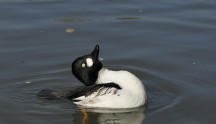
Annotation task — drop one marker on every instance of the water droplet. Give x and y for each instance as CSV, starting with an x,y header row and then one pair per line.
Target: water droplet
x,y
28,82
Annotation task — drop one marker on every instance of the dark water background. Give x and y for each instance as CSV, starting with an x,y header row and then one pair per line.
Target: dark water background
x,y
169,44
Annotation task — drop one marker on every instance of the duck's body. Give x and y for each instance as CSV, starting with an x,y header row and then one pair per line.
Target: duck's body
x,y
103,88
131,94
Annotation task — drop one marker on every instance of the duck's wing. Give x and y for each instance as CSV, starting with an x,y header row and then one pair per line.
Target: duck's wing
x,y
99,89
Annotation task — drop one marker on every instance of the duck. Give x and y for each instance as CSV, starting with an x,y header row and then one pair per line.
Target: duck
x,y
103,88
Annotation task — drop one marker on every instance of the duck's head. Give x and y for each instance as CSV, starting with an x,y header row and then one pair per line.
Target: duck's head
x,y
86,68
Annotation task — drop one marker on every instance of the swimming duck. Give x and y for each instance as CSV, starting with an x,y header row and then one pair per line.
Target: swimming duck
x,y
103,88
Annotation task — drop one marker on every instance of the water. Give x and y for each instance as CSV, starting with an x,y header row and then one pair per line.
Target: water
x,y
170,45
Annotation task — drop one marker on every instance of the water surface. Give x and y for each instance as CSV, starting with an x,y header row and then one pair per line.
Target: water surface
x,y
170,45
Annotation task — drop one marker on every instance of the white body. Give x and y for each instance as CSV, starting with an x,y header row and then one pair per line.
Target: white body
x,y
131,95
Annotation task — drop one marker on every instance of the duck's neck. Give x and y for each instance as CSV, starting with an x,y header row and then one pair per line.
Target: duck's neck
x,y
104,76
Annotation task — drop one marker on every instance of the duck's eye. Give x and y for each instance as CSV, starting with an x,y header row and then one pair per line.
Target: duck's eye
x,y
83,65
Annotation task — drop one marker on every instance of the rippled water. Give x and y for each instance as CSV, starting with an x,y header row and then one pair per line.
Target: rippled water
x,y
170,45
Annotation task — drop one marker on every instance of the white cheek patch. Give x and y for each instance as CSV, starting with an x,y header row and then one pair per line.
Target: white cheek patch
x,y
89,62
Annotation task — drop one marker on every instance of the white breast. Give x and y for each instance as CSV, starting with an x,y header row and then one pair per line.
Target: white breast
x,y
132,93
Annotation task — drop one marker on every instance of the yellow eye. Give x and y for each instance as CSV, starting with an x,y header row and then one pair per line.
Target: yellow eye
x,y
83,65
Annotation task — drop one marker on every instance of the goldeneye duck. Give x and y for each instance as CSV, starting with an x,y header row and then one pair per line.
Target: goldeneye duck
x,y
103,88
106,88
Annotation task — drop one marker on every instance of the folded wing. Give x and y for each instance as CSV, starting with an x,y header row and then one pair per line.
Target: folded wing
x,y
81,91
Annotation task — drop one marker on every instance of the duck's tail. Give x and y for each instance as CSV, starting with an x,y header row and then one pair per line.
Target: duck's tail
x,y
52,94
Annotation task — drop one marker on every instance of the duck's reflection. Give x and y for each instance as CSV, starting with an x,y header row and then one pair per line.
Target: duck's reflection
x,y
111,116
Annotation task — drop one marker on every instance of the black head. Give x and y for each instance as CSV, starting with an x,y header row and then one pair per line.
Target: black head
x,y
86,68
